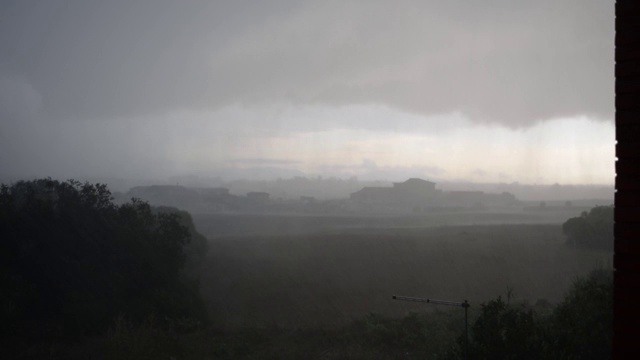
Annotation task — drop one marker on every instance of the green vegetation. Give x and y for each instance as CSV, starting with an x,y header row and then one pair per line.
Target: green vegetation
x,y
72,262
591,229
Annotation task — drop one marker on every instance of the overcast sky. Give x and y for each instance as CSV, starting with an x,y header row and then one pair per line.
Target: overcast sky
x,y
488,91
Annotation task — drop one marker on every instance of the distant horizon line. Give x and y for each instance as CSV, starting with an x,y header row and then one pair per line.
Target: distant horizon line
x,y
176,178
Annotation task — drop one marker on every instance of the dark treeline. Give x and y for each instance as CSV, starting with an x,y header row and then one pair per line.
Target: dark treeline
x,y
72,262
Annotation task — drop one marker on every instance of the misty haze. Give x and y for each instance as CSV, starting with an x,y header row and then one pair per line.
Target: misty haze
x,y
257,179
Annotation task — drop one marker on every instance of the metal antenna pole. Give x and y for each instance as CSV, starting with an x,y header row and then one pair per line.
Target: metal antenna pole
x,y
464,305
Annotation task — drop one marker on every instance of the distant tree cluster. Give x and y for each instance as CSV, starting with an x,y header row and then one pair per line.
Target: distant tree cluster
x,y
72,261
593,229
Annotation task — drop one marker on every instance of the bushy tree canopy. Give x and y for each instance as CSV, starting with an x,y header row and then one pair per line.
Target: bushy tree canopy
x,y
504,331
591,229
71,260
580,327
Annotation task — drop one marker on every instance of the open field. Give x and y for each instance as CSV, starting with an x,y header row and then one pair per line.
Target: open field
x,y
327,278
216,225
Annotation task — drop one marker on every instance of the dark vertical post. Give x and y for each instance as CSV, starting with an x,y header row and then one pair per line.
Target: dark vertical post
x,y
626,258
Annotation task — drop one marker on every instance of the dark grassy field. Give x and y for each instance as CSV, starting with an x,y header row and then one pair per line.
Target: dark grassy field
x,y
219,224
327,276
325,292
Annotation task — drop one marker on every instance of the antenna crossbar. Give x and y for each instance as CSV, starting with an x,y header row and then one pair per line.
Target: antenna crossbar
x,y
464,305
431,301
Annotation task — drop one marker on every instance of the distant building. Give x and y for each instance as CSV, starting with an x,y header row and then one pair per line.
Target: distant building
x,y
415,185
415,190
215,192
422,194
218,194
258,196
465,198
307,200
409,192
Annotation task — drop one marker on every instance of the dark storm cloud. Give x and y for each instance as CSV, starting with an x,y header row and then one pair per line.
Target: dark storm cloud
x,y
511,62
112,58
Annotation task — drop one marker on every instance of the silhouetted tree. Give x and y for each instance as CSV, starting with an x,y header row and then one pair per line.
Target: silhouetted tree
x,y
71,260
505,331
581,326
593,229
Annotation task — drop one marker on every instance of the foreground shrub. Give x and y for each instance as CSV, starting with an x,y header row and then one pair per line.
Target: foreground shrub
x,y
505,331
413,336
581,326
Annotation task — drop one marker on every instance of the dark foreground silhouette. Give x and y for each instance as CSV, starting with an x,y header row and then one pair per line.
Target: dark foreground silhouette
x,y
83,278
72,262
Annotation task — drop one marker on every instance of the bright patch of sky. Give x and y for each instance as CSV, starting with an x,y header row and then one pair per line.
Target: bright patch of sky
x,y
575,150
367,141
